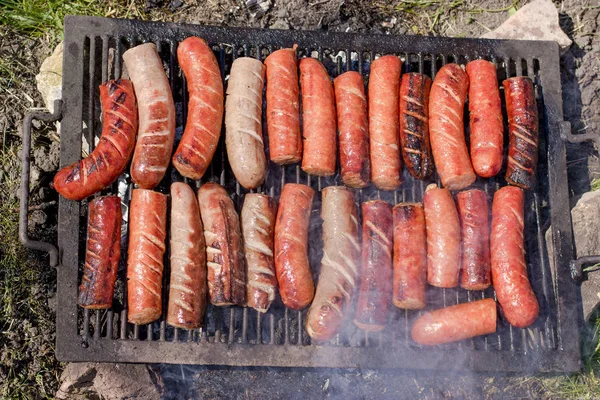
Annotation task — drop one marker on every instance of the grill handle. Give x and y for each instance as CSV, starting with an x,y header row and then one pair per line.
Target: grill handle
x,y
567,135
24,190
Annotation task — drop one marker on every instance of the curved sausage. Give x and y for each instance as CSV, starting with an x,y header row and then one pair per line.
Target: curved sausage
x,y
110,157
283,107
523,130
446,127
147,233
454,323
509,271
224,248
376,269
339,265
187,288
258,226
292,267
318,119
473,212
486,126
205,108
353,127
384,141
102,254
443,237
414,124
157,115
243,113
410,256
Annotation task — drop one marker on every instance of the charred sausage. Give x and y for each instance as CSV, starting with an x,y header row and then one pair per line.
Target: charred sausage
x,y
414,124
283,107
110,157
102,254
292,267
446,127
205,108
353,127
157,115
509,271
339,266
147,234
187,289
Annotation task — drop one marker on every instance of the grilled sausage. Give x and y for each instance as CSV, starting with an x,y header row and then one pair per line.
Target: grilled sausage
x,y
486,127
110,157
443,237
258,226
292,267
410,256
339,266
414,124
523,130
102,254
224,252
454,323
353,127
376,270
473,213
283,107
147,234
318,119
187,289
205,108
384,141
243,113
157,115
509,271
446,128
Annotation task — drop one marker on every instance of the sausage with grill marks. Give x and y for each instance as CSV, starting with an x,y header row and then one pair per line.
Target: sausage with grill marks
x,y
258,225
376,270
243,113
446,127
523,129
353,127
110,157
318,119
103,251
205,108
509,271
283,107
292,266
157,115
384,141
224,249
414,124
147,234
187,288
486,126
339,265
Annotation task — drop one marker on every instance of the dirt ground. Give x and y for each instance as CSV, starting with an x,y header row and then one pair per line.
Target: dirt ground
x,y
580,67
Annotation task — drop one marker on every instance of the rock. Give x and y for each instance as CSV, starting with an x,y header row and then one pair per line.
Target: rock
x,y
280,24
37,218
47,158
537,20
258,8
109,381
49,80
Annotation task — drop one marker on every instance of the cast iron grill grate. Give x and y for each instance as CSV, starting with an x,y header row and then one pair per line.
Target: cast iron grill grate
x,y
242,336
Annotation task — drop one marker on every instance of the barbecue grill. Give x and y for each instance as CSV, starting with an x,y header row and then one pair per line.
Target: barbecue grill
x,y
239,336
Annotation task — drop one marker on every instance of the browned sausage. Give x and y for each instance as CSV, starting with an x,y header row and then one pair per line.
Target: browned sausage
x,y
410,256
296,285
147,234
102,253
376,270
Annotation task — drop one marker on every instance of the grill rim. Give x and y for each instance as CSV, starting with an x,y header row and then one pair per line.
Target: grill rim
x,y
69,344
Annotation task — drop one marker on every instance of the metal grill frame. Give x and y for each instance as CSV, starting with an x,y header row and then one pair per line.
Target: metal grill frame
x,y
69,343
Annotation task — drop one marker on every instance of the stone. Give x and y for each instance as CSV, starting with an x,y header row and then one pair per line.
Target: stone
x,y
49,80
537,20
